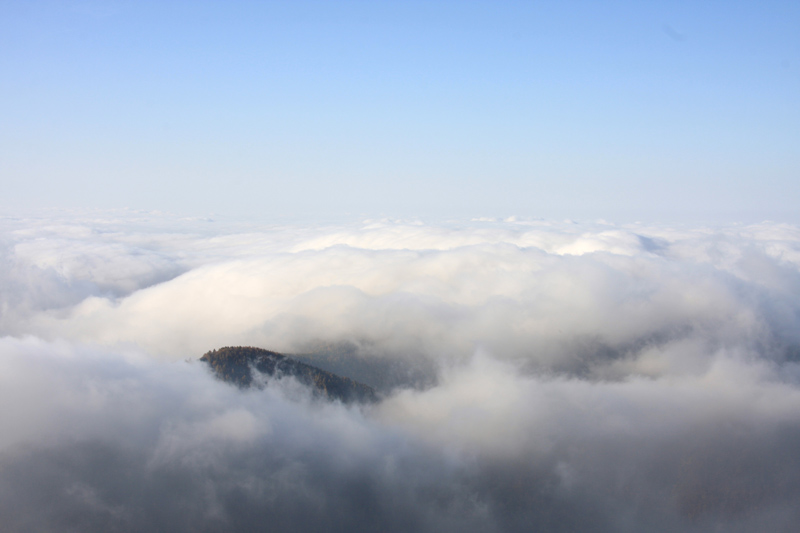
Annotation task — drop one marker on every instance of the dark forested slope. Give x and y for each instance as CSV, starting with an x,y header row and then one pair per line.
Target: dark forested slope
x,y
235,364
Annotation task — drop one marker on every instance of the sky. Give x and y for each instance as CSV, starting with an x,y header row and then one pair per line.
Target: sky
x,y
625,111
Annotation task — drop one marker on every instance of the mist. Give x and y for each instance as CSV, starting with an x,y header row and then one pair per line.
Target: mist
x,y
534,374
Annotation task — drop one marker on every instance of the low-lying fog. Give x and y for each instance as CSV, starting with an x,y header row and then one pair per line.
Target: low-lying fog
x,y
536,375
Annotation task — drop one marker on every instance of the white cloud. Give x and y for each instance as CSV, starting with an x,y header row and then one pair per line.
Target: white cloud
x,y
625,377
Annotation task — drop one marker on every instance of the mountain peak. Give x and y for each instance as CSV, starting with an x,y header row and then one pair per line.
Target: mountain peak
x,y
235,365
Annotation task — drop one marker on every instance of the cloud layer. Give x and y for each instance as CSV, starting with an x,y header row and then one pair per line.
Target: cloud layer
x,y
559,376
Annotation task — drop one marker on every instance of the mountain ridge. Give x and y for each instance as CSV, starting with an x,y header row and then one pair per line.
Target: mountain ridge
x,y
235,365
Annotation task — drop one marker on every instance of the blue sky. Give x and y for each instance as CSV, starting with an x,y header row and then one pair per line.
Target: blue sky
x,y
673,111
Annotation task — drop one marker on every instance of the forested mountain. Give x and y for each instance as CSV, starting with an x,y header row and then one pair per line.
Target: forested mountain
x,y
235,365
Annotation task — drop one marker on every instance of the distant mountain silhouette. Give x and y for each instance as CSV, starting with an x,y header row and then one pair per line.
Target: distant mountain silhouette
x,y
235,365
370,365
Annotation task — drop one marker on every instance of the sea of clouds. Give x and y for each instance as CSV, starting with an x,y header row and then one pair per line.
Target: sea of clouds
x,y
535,375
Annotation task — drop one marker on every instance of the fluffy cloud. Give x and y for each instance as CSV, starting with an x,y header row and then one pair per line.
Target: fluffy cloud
x,y
536,375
